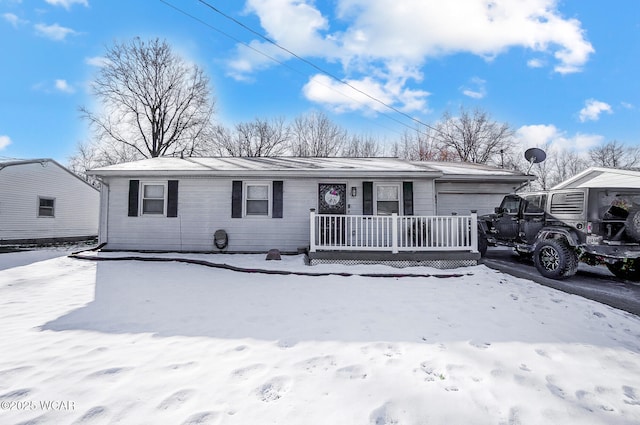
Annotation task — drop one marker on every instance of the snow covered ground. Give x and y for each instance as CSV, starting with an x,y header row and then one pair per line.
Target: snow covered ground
x,y
169,343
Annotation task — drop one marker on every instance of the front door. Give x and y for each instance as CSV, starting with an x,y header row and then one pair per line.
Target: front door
x,y
332,199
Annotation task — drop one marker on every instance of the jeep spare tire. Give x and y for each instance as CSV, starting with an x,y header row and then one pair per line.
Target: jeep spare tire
x,y
632,225
555,259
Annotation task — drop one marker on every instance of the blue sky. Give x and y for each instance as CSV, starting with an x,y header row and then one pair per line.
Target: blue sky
x,y
559,72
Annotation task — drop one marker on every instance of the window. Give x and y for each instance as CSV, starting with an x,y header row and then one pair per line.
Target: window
x,y
511,204
257,199
535,204
387,199
46,207
153,199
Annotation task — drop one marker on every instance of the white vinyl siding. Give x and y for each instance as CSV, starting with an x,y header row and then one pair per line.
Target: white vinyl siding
x,y
205,206
462,197
75,207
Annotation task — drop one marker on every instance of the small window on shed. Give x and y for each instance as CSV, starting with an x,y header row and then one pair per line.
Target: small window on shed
x,y
46,207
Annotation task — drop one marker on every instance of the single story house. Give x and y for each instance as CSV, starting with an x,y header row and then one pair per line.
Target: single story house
x,y
348,206
42,202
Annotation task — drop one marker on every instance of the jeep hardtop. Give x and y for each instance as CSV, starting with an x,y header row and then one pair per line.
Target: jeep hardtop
x,y
559,228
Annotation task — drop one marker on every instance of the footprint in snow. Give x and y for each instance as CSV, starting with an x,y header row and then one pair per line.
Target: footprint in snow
x,y
352,372
202,418
245,373
632,394
92,415
554,389
482,345
314,364
16,395
113,371
175,400
274,389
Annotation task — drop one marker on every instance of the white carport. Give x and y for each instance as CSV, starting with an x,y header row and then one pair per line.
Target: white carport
x,y
602,177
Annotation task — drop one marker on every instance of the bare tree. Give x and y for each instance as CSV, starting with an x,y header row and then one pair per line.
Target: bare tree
x,y
260,137
474,137
152,102
362,147
615,155
421,145
316,135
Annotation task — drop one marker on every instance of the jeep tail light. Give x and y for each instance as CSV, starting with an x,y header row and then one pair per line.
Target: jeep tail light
x,y
589,227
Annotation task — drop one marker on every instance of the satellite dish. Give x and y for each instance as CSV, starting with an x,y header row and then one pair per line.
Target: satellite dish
x,y
534,156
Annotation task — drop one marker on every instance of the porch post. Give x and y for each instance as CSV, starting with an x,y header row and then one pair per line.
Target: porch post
x,y
312,230
394,233
474,231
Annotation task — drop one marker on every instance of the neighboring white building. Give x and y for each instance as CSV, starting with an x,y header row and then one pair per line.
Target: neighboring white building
x,y
41,201
603,178
175,204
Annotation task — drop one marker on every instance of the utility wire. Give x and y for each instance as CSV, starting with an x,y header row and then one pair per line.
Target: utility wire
x,y
195,18
313,65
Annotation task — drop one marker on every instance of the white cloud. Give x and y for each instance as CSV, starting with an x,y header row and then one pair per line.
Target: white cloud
x,y
556,140
54,32
14,20
67,3
343,98
535,63
592,110
63,86
97,61
479,91
4,142
407,33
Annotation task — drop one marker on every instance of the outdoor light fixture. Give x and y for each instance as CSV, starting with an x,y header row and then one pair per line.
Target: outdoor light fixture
x,y
354,191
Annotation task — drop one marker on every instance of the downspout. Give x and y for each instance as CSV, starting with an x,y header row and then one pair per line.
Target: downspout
x,y
103,224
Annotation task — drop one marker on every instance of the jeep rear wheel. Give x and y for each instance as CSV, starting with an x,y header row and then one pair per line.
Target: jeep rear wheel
x,y
629,271
555,259
632,224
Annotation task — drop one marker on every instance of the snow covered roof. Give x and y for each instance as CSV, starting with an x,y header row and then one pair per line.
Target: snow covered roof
x,y
602,177
269,166
308,167
462,171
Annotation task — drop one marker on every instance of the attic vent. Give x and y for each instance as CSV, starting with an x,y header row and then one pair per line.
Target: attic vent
x,y
567,203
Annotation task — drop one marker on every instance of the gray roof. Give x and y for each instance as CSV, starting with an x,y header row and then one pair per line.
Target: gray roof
x,y
602,177
306,167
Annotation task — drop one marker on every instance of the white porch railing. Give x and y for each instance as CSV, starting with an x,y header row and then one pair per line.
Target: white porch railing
x,y
393,233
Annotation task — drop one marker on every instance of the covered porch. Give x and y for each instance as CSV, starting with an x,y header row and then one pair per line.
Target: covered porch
x,y
398,240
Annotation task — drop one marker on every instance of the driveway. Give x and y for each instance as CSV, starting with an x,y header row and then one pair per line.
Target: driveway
x,y
594,283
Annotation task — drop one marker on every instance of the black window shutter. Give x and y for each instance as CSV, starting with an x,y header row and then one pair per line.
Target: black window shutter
x,y
236,199
277,199
407,196
172,198
134,188
367,198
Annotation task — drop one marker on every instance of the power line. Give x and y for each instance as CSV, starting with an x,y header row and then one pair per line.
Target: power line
x,y
208,25
313,65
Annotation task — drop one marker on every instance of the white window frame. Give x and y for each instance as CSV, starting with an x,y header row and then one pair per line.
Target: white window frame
x,y
53,209
142,198
375,196
245,198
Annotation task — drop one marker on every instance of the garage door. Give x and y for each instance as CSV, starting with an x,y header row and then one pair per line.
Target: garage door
x,y
463,203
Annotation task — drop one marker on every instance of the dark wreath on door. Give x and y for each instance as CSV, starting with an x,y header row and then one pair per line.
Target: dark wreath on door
x,y
332,200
